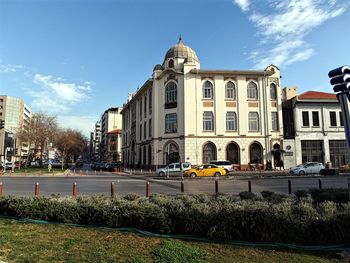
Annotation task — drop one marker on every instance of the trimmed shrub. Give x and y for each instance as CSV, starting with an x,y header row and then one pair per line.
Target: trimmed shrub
x,y
221,217
301,194
248,196
273,197
340,195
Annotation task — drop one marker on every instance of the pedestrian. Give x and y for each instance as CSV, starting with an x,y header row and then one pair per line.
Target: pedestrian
x,y
281,165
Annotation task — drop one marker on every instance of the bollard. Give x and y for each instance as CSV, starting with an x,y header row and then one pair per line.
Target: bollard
x,y
249,186
289,187
74,171
182,186
81,173
100,170
95,173
36,192
0,188
112,190
74,189
319,183
87,172
148,189
216,186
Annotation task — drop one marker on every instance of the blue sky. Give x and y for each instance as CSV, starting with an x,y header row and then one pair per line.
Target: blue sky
x,y
76,58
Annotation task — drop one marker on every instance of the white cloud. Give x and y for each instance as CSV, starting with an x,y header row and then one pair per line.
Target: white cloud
x,y
55,95
242,4
10,68
284,28
83,123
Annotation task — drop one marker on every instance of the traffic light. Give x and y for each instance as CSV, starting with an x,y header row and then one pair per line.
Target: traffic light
x,y
340,79
2,124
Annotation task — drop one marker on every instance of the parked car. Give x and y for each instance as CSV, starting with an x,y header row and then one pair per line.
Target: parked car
x,y
227,165
344,168
173,169
206,170
307,168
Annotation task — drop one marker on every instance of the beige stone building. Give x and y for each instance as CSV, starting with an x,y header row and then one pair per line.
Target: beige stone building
x,y
190,114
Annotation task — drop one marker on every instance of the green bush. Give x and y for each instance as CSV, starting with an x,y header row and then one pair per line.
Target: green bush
x,y
248,196
220,217
301,194
273,197
340,195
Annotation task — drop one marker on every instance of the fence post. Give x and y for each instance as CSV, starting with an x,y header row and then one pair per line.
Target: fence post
x,y
112,190
36,191
216,186
75,189
249,186
319,183
182,186
148,189
0,188
289,187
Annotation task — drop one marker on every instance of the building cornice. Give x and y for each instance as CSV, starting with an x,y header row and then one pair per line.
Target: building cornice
x,y
147,84
168,71
250,73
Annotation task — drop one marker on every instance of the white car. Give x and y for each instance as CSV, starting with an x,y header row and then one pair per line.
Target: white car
x,y
173,169
307,168
227,165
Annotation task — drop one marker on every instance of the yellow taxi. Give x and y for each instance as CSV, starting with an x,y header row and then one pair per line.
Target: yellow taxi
x,y
344,168
206,170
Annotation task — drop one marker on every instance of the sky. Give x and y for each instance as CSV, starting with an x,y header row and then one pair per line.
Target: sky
x,y
76,58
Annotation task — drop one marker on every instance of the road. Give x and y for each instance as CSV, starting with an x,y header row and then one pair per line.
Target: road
x,y
101,183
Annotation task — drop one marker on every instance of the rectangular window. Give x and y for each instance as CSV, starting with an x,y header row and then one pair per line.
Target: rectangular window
x,y
333,118
140,132
253,119
150,128
341,118
141,109
315,119
171,123
306,119
274,118
208,121
150,102
231,123
145,105
144,130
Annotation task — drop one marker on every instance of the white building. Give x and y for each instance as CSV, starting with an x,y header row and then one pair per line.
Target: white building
x,y
110,135
185,113
313,127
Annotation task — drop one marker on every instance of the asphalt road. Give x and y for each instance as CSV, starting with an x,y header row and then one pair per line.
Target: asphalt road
x,y
101,184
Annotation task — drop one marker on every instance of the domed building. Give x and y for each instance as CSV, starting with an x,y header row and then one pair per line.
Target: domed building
x,y
184,113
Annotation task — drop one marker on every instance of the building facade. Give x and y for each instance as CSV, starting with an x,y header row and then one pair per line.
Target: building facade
x,y
111,122
184,113
314,129
16,115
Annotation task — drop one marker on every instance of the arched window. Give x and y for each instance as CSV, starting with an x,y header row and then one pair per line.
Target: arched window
x,y
171,63
252,91
207,90
253,119
209,152
255,152
231,121
273,91
171,92
232,153
230,90
208,121
171,153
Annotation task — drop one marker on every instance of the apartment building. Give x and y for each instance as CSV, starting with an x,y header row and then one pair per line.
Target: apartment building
x,y
314,128
184,113
16,115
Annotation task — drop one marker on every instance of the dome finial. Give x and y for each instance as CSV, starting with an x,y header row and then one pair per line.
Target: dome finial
x,y
180,39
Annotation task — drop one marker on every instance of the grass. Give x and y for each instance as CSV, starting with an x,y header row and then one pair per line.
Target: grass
x,y
26,242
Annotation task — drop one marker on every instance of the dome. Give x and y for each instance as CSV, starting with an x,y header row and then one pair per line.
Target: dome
x,y
180,50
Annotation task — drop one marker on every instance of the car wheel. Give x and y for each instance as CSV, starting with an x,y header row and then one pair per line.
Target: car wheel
x,y
161,174
301,172
193,175
217,174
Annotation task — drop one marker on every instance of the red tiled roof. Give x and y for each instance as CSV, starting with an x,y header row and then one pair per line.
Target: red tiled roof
x,y
317,95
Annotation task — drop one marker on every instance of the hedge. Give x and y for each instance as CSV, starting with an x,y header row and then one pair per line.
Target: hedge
x,y
218,217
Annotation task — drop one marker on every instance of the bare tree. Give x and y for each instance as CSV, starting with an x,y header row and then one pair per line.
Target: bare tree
x,y
71,143
39,132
